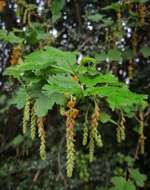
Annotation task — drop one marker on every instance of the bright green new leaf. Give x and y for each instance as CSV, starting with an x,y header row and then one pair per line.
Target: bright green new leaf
x,y
119,97
87,60
99,79
63,84
41,59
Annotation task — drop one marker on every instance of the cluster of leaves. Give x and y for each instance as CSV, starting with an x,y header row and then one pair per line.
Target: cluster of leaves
x,y
47,75
131,179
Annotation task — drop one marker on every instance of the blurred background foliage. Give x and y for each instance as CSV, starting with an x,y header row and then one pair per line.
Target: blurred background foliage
x,y
90,27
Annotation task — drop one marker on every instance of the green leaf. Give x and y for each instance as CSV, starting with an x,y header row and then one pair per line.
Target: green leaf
x,y
113,6
120,183
57,6
138,177
18,70
95,18
42,105
53,55
19,98
101,57
17,140
107,22
63,84
128,54
46,101
145,51
99,79
41,59
130,160
105,118
87,59
10,37
114,55
56,98
119,98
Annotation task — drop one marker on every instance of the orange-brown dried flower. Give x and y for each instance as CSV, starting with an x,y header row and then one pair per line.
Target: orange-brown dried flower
x,y
71,103
2,5
15,55
75,78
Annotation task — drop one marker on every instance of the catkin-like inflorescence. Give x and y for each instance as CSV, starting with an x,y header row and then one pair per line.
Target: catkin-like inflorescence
x,y
142,137
119,18
142,144
130,69
91,146
42,136
121,129
70,150
71,115
95,136
134,42
130,6
33,123
26,114
120,134
85,135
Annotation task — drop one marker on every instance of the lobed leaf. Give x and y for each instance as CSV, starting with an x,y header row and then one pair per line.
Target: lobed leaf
x,y
10,37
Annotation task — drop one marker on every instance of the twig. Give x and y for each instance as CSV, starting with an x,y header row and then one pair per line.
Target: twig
x,y
77,8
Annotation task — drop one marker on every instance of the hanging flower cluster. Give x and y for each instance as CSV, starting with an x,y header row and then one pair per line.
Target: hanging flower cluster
x,y
32,122
142,137
95,136
42,136
121,129
71,115
90,131
26,114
